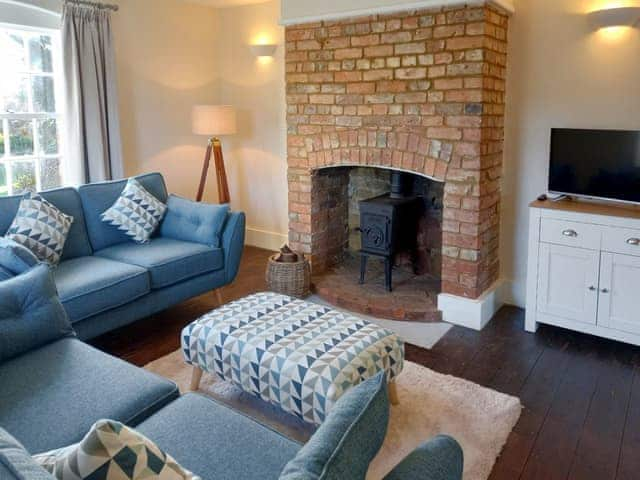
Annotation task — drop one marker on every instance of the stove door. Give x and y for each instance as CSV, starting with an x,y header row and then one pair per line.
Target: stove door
x,y
375,233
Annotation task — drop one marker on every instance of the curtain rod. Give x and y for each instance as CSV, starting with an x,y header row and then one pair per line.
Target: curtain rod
x,y
94,4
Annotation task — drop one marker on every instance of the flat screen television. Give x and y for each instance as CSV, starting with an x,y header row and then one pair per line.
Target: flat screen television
x,y
602,164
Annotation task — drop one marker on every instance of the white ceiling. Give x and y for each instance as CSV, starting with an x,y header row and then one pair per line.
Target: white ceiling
x,y
225,3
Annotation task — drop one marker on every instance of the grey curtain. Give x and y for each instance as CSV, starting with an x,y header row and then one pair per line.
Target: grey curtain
x,y
92,121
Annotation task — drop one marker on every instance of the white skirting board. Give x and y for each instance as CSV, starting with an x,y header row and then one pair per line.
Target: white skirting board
x,y
265,239
471,313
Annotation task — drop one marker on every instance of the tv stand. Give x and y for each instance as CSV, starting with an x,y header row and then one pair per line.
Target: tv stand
x,y
584,268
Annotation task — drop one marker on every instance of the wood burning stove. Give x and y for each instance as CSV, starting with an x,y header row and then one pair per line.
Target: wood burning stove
x,y
388,225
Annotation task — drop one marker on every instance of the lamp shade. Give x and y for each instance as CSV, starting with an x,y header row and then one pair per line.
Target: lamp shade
x,y
214,120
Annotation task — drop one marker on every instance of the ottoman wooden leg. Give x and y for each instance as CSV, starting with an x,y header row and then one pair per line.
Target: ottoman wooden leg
x,y
393,393
196,375
218,292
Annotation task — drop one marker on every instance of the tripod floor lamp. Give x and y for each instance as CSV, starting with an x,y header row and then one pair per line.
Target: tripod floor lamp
x,y
214,121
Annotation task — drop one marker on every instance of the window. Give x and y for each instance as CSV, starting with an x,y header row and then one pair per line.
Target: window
x,y
30,130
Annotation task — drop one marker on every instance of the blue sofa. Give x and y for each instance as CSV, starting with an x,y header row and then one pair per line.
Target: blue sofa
x,y
54,387
106,281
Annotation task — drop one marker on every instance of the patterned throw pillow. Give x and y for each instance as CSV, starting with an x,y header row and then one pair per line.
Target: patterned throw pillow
x,y
112,450
41,227
136,212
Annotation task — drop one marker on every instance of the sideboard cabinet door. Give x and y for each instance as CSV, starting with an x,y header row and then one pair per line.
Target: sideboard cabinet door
x,y
568,282
620,292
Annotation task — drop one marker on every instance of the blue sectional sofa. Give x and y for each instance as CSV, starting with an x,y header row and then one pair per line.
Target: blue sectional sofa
x,y
54,387
106,281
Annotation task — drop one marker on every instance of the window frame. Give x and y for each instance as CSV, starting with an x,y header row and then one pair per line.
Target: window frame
x,y
6,158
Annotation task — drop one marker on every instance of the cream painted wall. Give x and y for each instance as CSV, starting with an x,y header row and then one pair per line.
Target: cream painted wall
x,y
561,74
256,155
165,52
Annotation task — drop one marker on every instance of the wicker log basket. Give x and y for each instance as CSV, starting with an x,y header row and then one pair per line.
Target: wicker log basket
x,y
289,273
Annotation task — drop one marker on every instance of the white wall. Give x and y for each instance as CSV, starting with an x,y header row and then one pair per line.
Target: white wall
x,y
561,74
256,156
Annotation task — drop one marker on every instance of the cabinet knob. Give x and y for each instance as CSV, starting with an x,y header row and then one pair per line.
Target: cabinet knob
x,y
605,290
570,233
592,288
634,241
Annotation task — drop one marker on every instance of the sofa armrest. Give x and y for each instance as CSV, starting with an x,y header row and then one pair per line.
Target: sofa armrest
x,y
233,244
440,458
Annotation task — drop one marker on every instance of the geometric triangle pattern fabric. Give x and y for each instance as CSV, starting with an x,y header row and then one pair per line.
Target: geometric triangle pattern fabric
x,y
41,227
295,354
109,451
136,212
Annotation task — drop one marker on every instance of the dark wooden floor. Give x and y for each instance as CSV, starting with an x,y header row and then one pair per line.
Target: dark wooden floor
x,y
581,394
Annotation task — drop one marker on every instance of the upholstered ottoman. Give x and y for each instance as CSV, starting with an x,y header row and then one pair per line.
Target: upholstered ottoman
x,y
296,354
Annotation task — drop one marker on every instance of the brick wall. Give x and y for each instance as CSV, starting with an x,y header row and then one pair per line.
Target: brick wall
x,y
421,91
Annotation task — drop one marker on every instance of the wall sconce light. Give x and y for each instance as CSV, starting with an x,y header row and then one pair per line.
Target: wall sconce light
x,y
615,17
263,51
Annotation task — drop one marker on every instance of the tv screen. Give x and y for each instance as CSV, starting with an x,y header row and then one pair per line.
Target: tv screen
x,y
595,163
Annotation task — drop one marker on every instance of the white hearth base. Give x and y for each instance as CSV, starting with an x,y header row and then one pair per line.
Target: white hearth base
x,y
471,313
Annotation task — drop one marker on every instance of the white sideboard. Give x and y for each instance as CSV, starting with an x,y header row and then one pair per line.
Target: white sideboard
x,y
584,268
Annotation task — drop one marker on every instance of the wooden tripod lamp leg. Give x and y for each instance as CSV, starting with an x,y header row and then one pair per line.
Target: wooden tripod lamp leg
x,y
221,174
205,171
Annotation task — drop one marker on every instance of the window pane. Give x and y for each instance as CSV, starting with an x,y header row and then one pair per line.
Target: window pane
x,y
40,53
4,190
43,98
50,173
14,93
13,45
1,140
24,177
21,137
48,136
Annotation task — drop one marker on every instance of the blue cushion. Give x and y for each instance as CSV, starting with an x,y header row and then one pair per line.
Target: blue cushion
x,y
16,463
98,197
350,437
440,458
30,313
169,261
5,274
68,201
218,443
194,222
91,285
51,396
16,258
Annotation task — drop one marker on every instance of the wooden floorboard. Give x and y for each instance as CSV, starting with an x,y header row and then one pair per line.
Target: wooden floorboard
x,y
580,394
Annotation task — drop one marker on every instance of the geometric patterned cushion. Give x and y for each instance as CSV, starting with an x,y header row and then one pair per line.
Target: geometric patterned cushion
x,y
295,354
41,227
112,451
136,212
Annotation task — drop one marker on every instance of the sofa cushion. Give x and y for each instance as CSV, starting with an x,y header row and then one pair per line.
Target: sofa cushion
x,y
51,396
30,313
16,463
67,201
91,285
350,437
16,258
98,197
5,274
169,261
218,443
136,212
194,222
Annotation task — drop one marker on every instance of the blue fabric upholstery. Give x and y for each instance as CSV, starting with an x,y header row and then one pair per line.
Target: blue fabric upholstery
x,y
51,396
350,437
194,222
5,274
16,463
168,261
218,443
16,258
154,302
233,244
98,197
30,313
68,201
91,285
440,458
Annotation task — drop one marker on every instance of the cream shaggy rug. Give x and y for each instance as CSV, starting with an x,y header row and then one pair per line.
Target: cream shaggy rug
x,y
430,403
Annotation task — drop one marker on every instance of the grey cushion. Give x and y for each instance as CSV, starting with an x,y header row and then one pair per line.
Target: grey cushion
x,y
168,261
30,313
440,458
50,397
16,258
216,442
16,463
90,285
194,222
350,437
